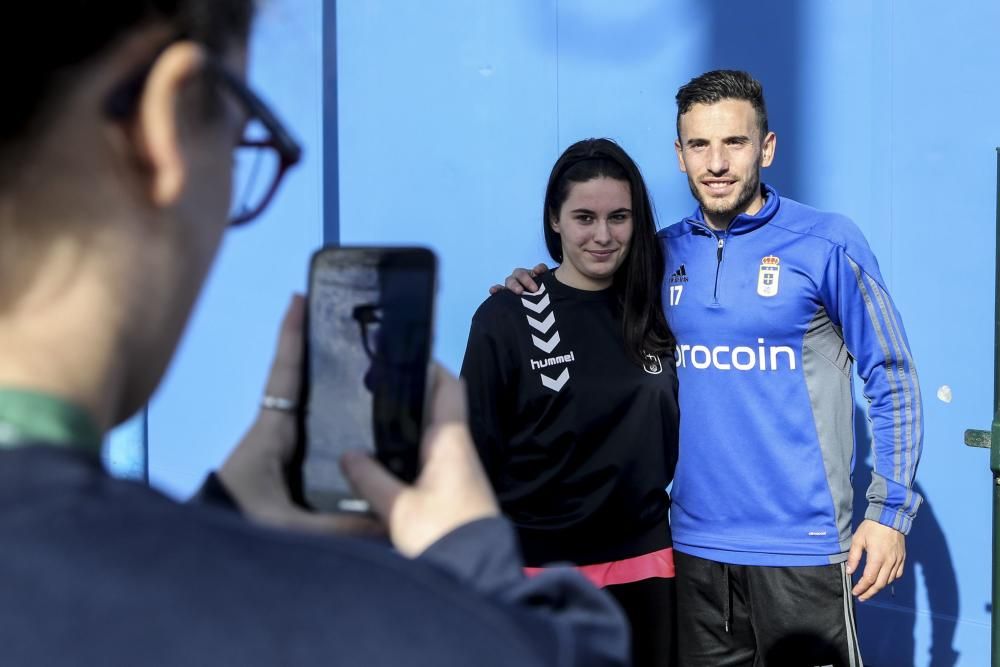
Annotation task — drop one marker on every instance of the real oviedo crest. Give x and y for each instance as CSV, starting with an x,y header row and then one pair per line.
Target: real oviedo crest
x,y
651,364
767,279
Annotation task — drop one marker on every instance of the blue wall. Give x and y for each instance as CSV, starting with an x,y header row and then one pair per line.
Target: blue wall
x,y
451,113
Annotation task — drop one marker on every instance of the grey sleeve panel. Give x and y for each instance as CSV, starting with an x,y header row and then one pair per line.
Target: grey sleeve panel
x,y
912,401
892,500
827,367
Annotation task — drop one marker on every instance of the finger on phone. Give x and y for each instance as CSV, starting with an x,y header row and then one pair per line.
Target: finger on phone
x,y
285,376
446,405
371,481
447,397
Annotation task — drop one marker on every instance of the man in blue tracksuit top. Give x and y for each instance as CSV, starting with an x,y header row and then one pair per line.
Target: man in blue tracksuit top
x,y
772,304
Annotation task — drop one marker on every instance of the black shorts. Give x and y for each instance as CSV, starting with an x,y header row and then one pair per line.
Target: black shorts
x,y
649,605
758,616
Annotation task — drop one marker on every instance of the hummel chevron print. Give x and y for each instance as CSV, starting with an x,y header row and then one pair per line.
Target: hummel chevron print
x,y
557,384
542,326
545,346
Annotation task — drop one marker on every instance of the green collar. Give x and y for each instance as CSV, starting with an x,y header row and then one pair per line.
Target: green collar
x,y
29,417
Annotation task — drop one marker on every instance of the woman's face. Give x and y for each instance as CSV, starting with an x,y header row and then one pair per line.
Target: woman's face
x,y
595,230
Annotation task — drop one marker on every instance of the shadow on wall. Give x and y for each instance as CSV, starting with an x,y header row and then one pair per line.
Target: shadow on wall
x,y
764,38
886,622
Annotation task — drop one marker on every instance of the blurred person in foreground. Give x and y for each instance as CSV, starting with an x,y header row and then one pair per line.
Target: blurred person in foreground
x,y
116,151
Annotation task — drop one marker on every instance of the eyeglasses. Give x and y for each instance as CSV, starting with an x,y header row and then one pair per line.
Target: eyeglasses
x,y
368,317
262,156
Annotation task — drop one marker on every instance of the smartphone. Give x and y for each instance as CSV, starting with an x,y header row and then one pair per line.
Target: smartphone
x,y
367,348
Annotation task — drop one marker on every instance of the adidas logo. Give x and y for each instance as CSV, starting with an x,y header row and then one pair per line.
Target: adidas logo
x,y
680,275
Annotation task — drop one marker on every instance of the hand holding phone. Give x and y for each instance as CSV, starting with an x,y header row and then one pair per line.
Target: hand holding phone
x,y
252,473
451,490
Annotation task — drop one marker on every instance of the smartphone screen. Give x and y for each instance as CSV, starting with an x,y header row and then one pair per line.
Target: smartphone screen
x,y
367,348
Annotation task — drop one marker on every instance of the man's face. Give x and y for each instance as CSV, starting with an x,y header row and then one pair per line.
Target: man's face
x,y
721,151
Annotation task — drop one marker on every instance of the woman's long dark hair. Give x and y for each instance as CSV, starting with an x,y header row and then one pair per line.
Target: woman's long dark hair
x,y
638,280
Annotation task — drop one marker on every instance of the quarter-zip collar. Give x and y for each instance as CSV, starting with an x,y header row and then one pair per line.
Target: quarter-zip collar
x,y
742,223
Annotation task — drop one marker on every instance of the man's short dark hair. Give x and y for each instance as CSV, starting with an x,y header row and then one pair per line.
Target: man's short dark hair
x,y
722,84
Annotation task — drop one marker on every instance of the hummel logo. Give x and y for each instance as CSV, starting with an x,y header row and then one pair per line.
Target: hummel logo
x,y
680,275
552,361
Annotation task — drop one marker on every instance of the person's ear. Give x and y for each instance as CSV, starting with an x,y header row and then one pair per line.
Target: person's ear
x,y
680,155
159,120
554,223
767,149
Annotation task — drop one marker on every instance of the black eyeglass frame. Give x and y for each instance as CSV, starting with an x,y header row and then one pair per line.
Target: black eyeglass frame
x,y
366,314
121,103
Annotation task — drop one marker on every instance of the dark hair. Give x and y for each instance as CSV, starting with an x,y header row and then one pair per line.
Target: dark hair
x,y
638,280
722,84
60,37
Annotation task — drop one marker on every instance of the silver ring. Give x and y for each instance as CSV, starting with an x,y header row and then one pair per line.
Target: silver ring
x,y
278,403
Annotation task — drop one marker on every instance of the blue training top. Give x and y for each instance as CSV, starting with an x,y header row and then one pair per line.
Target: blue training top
x,y
770,317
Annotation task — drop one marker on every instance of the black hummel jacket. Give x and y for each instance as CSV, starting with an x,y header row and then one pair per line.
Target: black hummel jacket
x,y
579,441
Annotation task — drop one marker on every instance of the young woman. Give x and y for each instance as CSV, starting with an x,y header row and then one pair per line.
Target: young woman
x,y
573,399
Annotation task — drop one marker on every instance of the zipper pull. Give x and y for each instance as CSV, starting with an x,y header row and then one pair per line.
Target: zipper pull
x,y
722,242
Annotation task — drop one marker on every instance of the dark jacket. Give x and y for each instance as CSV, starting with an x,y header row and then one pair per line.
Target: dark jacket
x,y
95,570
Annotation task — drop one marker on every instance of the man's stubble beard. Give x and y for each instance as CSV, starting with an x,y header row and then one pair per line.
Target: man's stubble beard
x,y
749,190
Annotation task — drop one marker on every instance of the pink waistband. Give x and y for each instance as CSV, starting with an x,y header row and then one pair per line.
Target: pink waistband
x,y
659,564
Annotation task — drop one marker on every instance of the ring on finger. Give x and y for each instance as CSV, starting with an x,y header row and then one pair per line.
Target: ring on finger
x,y
279,403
